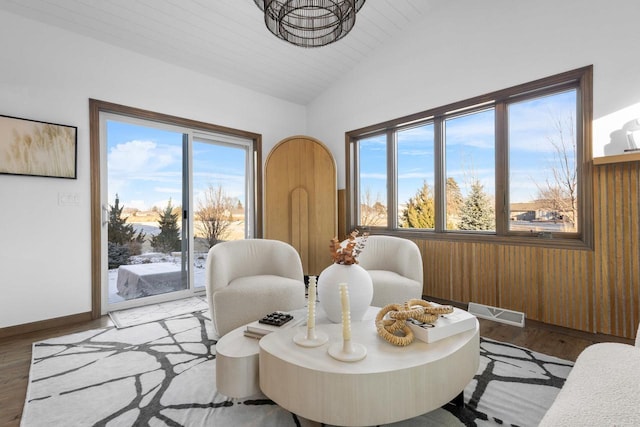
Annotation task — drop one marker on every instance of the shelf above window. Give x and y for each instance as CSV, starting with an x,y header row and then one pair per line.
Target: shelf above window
x,y
633,156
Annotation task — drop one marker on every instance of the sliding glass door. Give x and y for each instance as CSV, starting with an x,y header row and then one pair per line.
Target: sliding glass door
x,y
220,166
169,194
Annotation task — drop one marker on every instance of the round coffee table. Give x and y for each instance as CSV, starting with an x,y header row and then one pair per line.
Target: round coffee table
x,y
237,372
390,384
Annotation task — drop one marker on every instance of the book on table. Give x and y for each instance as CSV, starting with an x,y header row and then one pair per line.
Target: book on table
x,y
256,329
446,326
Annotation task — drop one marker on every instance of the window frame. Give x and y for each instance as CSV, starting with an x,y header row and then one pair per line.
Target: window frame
x,y
96,109
580,79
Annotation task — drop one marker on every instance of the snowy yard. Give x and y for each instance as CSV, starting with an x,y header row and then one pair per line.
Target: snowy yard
x,y
154,257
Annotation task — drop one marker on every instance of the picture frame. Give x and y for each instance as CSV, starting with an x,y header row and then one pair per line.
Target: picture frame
x,y
37,148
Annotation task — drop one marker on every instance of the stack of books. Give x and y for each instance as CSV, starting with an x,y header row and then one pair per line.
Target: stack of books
x,y
446,326
257,330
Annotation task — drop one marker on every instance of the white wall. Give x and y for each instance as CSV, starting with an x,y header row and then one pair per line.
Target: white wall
x,y
463,49
466,48
49,74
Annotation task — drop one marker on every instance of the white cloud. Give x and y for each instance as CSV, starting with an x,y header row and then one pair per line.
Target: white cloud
x,y
416,174
415,152
232,184
139,158
136,204
162,204
169,190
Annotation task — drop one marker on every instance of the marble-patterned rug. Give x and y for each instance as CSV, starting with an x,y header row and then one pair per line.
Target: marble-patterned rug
x,y
153,312
163,374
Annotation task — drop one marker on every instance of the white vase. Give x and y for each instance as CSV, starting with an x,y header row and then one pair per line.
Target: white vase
x,y
360,288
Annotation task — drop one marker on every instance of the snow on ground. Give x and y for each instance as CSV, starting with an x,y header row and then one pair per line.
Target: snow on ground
x,y
154,257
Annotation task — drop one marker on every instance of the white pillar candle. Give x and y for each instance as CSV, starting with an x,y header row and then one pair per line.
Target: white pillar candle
x,y
346,316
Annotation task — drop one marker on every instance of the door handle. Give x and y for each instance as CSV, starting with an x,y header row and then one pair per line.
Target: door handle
x,y
105,215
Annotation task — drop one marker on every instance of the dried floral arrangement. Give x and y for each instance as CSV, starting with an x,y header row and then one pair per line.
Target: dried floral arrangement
x,y
348,254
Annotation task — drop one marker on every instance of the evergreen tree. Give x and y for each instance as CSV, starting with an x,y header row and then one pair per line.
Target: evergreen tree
x,y
420,210
117,255
477,212
122,238
454,203
168,239
119,232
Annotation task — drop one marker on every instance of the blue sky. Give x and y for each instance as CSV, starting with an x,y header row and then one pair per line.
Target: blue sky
x,y
145,163
145,166
470,151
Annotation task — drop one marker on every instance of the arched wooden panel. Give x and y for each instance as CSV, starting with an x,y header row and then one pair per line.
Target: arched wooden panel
x,y
301,199
300,224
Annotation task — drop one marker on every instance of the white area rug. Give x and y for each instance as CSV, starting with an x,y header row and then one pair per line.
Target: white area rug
x,y
163,374
154,312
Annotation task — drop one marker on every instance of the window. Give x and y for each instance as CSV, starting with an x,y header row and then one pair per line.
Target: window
x,y
165,189
173,192
373,179
507,166
416,177
470,171
543,191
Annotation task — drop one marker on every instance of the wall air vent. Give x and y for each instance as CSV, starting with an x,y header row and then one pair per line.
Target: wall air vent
x,y
501,315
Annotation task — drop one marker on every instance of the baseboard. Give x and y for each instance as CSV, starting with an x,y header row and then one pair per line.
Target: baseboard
x,y
41,325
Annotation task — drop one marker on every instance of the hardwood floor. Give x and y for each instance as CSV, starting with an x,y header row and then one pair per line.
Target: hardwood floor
x,y
15,360
552,340
15,353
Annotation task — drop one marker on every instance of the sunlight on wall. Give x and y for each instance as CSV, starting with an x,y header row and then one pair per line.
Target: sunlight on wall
x,y
610,132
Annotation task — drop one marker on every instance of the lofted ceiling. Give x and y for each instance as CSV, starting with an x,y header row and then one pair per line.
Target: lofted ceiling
x,y
227,39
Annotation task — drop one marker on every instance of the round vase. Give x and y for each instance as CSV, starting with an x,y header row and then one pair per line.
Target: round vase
x,y
358,283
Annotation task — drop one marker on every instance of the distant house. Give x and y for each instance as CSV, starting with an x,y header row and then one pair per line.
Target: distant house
x,y
532,211
523,211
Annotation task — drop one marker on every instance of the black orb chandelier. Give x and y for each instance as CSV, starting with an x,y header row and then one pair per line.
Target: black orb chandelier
x,y
310,23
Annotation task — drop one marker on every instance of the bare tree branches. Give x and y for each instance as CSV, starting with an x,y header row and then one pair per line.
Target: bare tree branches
x,y
559,193
214,214
372,213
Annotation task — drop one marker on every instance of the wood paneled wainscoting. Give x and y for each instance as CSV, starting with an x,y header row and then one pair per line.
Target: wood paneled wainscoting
x,y
616,186
594,291
549,285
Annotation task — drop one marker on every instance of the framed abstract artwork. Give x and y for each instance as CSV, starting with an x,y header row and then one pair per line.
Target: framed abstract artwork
x,y
31,147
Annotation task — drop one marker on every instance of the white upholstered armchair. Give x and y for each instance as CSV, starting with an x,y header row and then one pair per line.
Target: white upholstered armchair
x,y
395,266
248,279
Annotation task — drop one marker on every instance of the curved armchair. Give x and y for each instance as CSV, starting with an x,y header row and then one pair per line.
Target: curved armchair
x,y
395,266
248,279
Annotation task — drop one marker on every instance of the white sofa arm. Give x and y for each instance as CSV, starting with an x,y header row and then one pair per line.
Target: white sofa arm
x,y
638,337
601,389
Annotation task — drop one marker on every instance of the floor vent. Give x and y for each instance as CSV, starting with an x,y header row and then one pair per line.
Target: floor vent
x,y
501,315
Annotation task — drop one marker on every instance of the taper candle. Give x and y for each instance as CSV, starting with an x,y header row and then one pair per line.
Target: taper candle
x,y
311,338
311,318
346,316
346,351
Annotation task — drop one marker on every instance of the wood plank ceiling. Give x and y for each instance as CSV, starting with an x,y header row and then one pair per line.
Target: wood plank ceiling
x,y
227,39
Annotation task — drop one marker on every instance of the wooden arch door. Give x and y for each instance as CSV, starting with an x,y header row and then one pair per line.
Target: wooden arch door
x,y
301,199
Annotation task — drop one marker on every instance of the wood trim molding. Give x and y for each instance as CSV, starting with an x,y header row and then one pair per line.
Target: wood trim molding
x,y
342,216
618,158
96,210
44,324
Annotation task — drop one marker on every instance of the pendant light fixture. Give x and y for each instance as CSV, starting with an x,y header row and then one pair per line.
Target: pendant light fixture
x,y
310,23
